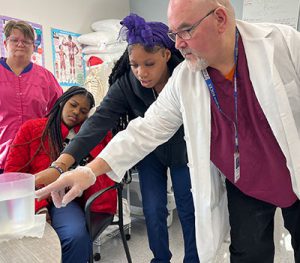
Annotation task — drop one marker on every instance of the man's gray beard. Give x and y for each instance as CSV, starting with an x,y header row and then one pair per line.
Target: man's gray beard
x,y
197,65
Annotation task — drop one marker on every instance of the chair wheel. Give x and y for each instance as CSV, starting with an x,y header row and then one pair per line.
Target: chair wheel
x,y
97,256
127,236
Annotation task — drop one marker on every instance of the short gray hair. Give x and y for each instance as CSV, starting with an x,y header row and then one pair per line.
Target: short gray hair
x,y
23,26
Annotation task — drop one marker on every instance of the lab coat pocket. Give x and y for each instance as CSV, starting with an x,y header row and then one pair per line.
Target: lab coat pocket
x,y
217,185
293,94
219,210
291,89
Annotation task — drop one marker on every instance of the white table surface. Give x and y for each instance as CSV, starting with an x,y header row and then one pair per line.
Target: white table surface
x,y
32,250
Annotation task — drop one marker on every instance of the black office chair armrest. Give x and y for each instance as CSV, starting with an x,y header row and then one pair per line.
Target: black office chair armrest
x,y
96,195
91,199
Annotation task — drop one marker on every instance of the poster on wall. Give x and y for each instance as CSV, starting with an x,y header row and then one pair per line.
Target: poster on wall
x,y
38,52
68,63
274,11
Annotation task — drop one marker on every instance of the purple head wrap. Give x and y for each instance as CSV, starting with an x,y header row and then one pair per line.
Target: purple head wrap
x,y
135,30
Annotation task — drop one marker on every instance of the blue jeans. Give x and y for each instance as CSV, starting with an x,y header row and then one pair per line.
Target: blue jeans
x,y
153,183
70,226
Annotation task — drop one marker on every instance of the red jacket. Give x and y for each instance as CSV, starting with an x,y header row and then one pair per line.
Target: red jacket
x,y
25,146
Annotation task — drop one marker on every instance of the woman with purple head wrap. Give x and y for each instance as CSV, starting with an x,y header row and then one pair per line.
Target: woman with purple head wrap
x,y
135,82
142,72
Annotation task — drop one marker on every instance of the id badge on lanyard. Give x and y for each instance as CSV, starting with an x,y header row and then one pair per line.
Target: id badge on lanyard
x,y
236,157
211,88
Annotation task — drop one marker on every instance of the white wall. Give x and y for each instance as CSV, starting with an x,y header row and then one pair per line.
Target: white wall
x,y
70,15
156,10
151,10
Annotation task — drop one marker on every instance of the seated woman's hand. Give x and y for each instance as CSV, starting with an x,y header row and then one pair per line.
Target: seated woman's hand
x,y
76,181
46,176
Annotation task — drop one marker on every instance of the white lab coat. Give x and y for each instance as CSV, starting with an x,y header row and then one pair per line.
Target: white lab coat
x,y
274,64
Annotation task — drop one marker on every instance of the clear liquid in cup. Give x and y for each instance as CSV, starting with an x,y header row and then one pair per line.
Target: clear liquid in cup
x,y
16,202
16,214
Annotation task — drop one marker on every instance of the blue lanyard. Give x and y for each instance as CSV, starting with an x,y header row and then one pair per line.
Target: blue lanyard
x,y
214,94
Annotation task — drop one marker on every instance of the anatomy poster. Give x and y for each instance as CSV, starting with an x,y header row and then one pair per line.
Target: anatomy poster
x,y
68,63
38,53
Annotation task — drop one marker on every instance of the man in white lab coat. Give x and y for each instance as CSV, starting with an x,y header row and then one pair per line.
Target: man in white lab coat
x,y
238,95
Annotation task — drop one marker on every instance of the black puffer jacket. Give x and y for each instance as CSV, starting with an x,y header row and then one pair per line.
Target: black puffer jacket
x,y
126,95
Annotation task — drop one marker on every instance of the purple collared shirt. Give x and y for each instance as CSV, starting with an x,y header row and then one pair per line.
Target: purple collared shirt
x,y
263,171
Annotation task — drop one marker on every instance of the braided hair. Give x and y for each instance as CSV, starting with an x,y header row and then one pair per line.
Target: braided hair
x,y
120,68
53,125
52,129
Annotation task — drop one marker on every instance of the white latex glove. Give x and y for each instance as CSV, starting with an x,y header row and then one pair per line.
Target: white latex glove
x,y
76,180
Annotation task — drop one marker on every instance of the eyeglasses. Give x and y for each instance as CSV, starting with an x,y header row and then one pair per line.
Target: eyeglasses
x,y
16,41
187,33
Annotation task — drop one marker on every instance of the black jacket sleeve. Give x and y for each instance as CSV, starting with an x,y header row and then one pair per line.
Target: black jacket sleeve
x,y
105,118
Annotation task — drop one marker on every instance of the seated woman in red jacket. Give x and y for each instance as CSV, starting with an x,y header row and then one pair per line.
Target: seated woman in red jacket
x,y
39,142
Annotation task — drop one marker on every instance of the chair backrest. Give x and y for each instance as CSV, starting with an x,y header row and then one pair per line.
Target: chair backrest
x,y
97,222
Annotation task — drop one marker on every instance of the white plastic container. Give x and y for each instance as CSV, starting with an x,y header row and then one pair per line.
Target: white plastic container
x,y
16,202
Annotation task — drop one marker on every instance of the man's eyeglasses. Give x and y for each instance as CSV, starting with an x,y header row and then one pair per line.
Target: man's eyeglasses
x,y
187,33
16,41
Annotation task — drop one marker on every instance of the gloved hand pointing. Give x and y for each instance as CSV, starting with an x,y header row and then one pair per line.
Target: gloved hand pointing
x,y
76,180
